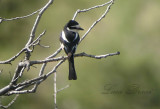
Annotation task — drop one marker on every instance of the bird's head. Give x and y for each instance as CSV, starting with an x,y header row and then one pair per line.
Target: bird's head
x,y
72,25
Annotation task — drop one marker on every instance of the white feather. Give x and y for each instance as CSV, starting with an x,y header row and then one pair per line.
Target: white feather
x,y
64,36
75,36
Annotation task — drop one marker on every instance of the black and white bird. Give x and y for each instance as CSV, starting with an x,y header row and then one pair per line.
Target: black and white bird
x,y
69,39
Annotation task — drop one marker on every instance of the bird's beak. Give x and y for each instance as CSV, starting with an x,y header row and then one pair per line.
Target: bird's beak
x,y
79,28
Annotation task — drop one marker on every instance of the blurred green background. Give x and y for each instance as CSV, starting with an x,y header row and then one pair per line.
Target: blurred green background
x,y
128,81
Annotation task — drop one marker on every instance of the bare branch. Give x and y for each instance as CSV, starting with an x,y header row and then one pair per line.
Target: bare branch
x,y
85,10
55,53
36,41
98,56
17,89
13,58
17,86
55,68
63,88
103,15
32,34
76,55
22,17
55,90
45,64
5,107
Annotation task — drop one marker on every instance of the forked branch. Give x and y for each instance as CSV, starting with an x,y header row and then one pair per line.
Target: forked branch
x,y
31,85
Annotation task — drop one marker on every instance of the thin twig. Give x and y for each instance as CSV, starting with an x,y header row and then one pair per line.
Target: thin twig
x,y
63,88
85,10
14,99
13,58
34,28
97,56
36,41
103,15
55,53
94,7
22,17
55,90
51,56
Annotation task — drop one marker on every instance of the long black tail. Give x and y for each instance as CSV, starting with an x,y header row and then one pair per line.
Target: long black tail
x,y
72,72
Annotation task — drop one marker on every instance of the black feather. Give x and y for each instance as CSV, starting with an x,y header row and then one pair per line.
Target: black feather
x,y
72,72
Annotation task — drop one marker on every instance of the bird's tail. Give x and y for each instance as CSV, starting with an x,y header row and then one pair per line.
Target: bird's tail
x,y
72,72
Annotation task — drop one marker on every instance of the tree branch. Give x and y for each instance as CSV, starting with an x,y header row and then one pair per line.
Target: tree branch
x,y
22,17
97,56
7,106
94,7
33,31
17,86
13,58
32,34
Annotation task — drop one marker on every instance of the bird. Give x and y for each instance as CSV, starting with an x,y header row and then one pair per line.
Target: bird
x,y
69,40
